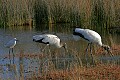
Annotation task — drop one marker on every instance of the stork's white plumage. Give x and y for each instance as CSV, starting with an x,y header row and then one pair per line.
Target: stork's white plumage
x,y
91,36
49,39
11,44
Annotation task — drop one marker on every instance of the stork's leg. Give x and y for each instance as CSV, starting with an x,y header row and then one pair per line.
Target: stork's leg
x,y
86,57
13,55
91,53
49,49
44,48
9,56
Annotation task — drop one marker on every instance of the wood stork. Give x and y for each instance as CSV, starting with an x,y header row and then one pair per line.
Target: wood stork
x,y
92,37
50,40
11,44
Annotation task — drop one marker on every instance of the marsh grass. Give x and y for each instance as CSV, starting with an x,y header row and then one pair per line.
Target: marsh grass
x,y
100,71
74,67
71,66
85,13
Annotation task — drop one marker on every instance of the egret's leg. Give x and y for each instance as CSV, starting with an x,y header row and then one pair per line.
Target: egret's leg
x,y
91,53
86,57
9,56
13,55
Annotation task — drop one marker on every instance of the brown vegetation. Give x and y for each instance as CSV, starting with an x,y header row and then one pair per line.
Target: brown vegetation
x,y
100,71
87,13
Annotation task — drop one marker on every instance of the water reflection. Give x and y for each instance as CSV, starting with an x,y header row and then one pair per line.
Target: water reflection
x,y
63,31
25,66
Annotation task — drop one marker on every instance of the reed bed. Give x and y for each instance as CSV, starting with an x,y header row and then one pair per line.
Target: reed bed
x,y
79,71
100,71
59,66
86,13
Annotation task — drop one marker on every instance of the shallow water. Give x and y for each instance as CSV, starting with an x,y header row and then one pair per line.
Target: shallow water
x,y
26,66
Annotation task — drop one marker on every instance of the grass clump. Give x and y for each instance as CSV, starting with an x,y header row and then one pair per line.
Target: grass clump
x,y
86,13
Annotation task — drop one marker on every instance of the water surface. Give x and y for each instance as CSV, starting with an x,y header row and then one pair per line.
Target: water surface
x,y
27,46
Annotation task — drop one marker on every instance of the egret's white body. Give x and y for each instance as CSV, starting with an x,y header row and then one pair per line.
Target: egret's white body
x,y
11,44
49,39
91,36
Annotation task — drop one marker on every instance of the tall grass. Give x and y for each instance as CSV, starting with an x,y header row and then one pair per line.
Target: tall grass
x,y
15,12
57,65
85,13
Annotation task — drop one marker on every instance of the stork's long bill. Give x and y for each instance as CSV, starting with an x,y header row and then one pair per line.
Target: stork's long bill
x,y
108,49
65,47
90,36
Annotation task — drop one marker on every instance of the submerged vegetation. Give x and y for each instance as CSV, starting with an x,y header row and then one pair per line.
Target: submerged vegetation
x,y
56,67
100,72
86,13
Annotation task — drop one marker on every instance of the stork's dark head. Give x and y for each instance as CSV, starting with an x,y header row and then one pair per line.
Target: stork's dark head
x,y
107,48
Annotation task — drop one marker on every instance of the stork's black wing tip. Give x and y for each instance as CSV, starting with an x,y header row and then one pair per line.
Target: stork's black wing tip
x,y
54,33
74,30
33,39
74,27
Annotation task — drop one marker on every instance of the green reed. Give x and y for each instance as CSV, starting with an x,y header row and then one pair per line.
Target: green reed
x,y
85,13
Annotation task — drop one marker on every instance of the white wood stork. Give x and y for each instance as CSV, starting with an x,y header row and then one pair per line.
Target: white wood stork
x,y
11,44
50,40
92,37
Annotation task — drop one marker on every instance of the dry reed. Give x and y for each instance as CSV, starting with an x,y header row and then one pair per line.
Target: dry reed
x,y
86,13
